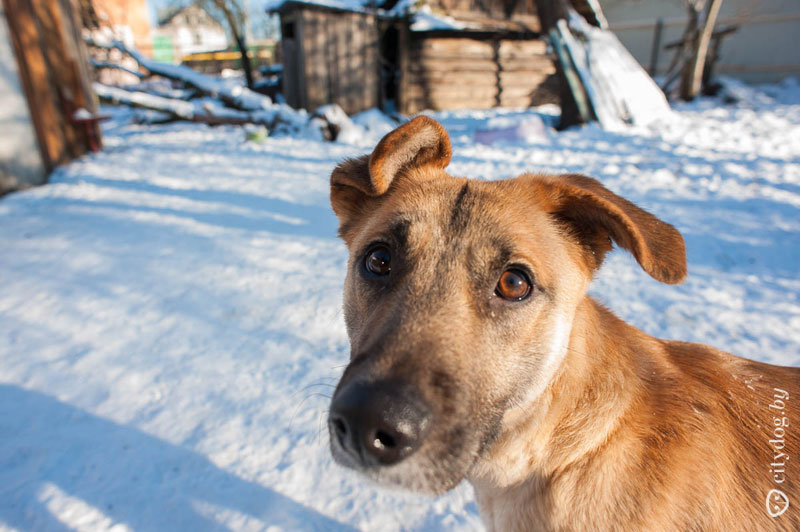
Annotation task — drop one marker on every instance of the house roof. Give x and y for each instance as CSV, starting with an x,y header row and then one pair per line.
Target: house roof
x,y
170,14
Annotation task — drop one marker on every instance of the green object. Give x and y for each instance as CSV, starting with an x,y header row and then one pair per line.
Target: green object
x,y
162,49
256,133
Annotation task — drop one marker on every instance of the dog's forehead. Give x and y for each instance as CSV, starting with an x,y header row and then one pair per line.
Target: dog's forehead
x,y
467,209
483,219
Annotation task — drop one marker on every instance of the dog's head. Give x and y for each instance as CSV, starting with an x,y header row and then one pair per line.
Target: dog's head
x,y
459,299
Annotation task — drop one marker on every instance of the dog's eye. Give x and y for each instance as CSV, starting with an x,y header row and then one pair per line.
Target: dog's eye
x,y
513,285
378,261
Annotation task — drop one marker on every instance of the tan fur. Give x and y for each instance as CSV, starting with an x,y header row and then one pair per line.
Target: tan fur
x,y
561,416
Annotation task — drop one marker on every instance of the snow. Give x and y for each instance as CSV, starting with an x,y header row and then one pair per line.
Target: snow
x,y
345,5
170,323
424,19
619,89
227,89
181,108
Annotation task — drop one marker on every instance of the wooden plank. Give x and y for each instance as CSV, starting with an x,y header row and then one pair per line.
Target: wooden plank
x,y
38,90
370,69
516,102
74,59
415,64
452,91
466,64
513,49
351,68
454,47
416,105
479,49
291,64
61,74
301,32
290,60
514,92
404,104
440,77
523,79
76,50
540,63
339,75
317,57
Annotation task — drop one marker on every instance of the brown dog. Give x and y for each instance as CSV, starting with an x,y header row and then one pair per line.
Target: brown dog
x,y
476,354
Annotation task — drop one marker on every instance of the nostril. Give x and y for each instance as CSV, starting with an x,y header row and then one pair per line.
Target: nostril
x,y
384,441
339,426
340,429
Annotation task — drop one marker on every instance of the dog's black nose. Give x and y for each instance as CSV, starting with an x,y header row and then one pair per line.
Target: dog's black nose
x,y
378,423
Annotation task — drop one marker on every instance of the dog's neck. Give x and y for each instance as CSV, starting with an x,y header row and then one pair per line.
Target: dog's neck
x,y
604,371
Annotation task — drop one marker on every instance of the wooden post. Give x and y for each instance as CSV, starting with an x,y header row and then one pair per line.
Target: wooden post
x,y
35,81
550,12
693,76
656,48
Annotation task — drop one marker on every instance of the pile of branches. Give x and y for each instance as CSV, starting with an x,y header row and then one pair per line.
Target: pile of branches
x,y
200,98
696,51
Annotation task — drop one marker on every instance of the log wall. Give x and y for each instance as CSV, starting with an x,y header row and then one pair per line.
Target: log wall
x,y
462,72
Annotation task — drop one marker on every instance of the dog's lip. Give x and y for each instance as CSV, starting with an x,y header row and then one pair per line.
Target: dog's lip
x,y
341,457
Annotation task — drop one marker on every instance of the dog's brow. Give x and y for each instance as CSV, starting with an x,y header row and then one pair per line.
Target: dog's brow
x,y
398,230
460,214
502,255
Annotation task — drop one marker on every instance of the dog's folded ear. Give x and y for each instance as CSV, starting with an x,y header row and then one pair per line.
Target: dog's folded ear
x,y
417,143
595,215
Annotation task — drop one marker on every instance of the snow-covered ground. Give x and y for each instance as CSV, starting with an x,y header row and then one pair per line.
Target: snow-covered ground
x,y
170,324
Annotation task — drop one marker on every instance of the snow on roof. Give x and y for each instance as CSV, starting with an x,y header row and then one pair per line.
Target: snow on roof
x,y
426,20
357,6
423,17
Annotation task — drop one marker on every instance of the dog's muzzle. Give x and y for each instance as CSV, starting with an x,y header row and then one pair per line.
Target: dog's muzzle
x,y
377,423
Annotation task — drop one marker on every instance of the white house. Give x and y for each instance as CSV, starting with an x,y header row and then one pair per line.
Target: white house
x,y
191,30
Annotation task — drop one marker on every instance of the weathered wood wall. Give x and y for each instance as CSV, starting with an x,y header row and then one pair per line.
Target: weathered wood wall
x,y
336,58
54,72
460,72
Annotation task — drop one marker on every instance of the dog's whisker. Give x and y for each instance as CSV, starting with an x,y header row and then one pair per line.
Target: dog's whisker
x,y
312,385
306,398
320,422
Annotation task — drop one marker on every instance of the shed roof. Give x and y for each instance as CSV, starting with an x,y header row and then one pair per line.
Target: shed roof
x,y
424,18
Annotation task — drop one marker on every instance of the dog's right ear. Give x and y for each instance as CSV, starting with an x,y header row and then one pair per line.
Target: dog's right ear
x,y
355,183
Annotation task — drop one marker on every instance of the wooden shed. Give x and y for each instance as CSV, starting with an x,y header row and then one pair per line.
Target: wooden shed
x,y
329,55
408,56
473,55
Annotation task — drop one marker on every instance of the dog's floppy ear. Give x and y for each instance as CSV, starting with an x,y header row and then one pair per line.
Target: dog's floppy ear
x,y
595,215
420,142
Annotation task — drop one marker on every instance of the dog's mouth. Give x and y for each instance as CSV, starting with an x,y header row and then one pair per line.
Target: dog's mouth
x,y
387,432
419,472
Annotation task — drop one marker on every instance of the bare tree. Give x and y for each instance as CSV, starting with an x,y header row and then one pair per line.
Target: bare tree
x,y
234,14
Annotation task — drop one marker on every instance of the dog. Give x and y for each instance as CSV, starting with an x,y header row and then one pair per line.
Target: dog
x,y
477,355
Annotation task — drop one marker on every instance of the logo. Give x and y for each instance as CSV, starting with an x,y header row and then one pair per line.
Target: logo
x,y
777,500
777,503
